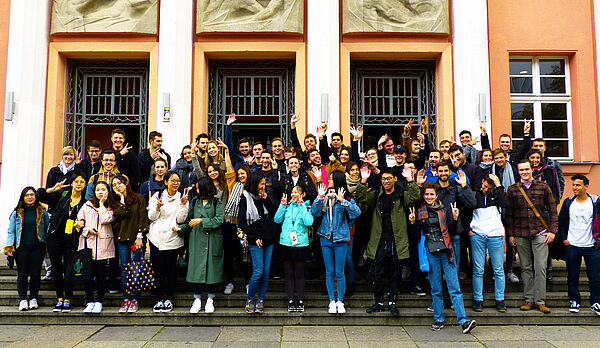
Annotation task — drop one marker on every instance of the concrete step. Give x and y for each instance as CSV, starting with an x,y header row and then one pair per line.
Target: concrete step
x,y
180,316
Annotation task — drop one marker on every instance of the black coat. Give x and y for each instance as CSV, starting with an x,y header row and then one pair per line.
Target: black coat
x,y
304,181
88,168
146,162
265,228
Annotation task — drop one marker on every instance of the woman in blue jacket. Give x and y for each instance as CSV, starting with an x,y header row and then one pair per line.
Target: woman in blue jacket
x,y
338,208
294,244
26,242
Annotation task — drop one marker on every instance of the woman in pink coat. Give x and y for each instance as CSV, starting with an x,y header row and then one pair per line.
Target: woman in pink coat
x,y
94,220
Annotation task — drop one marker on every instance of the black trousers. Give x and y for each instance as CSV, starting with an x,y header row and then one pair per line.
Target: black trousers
x,y
164,265
415,268
99,272
386,257
29,260
294,278
114,270
61,248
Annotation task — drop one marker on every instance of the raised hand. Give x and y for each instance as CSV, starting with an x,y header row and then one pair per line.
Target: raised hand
x,y
382,140
78,159
154,153
452,140
421,177
274,164
408,127
324,127
185,196
321,190
251,161
412,217
455,211
424,125
407,174
125,149
462,178
353,132
320,132
496,179
365,173
263,194
284,199
482,128
421,138
360,132
159,202
58,186
332,158
231,119
526,127
221,144
341,194
316,172
474,141
295,118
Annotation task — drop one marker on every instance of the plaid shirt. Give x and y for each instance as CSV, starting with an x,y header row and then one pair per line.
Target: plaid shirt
x,y
520,218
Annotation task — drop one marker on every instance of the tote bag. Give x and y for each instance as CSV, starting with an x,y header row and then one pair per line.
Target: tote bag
x,y
423,261
79,267
139,276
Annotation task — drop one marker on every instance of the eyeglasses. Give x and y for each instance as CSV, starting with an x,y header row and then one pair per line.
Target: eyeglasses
x,y
108,160
175,181
387,178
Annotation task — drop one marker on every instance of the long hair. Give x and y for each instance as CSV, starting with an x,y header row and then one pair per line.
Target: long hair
x,y
221,178
21,204
109,199
252,183
188,147
208,160
533,152
129,194
245,167
206,189
339,181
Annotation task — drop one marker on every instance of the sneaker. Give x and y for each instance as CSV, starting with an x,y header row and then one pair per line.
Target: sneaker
x,y
167,306
527,306
430,308
478,306
133,306
544,309
97,308
124,306
113,291
468,326
501,306
291,306
512,277
376,307
66,307
247,287
33,304
249,306
48,276
332,309
228,289
259,307
300,306
596,308
393,310
88,308
574,307
58,307
209,307
549,276
340,307
417,291
23,305
196,306
158,307
437,326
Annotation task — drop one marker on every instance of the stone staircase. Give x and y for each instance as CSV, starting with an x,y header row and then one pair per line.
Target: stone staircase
x,y
229,308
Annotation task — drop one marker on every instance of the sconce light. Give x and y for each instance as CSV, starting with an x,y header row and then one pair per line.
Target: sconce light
x,y
9,106
166,107
324,107
482,107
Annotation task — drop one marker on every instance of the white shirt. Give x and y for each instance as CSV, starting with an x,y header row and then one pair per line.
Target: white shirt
x,y
390,160
581,216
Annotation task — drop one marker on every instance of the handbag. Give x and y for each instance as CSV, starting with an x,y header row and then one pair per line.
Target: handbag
x,y
423,261
139,276
79,267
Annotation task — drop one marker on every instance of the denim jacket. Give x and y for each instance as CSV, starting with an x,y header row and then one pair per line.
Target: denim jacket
x,y
338,230
15,227
295,217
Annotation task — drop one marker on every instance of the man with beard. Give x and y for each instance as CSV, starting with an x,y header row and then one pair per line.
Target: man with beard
x,y
459,163
147,156
127,161
269,170
91,164
243,154
431,174
319,172
466,141
198,161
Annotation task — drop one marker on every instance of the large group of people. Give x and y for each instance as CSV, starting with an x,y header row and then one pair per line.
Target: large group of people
x,y
407,209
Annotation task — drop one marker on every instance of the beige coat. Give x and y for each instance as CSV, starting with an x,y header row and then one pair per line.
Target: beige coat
x,y
99,219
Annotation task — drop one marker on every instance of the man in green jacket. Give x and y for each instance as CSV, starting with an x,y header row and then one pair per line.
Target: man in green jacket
x,y
388,244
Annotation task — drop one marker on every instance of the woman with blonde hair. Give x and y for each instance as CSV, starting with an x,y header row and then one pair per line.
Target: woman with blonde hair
x,y
214,156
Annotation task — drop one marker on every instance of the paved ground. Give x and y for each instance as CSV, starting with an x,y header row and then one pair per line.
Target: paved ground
x,y
296,336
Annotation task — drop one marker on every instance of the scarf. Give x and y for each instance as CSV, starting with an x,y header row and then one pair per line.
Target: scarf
x,y
352,183
231,208
252,214
538,174
508,177
330,195
423,214
485,166
63,167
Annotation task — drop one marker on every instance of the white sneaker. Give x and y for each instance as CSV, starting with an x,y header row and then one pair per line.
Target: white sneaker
x,y
210,306
228,289
89,307
332,308
196,306
247,287
97,308
33,304
23,305
340,307
512,277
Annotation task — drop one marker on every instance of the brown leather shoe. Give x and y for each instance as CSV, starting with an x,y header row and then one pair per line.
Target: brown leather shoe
x,y
544,309
528,306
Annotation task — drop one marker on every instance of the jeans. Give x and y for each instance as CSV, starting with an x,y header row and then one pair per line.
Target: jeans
x,y
386,257
349,267
592,263
125,252
211,293
456,246
533,252
440,263
495,246
334,257
261,264
29,260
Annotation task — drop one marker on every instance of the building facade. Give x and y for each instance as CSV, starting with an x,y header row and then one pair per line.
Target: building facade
x,y
77,69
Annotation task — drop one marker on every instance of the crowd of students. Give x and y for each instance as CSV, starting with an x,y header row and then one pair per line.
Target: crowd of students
x,y
403,208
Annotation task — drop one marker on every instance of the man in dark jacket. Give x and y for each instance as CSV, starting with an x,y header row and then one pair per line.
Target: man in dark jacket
x,y
91,164
388,243
147,156
271,174
579,232
127,161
